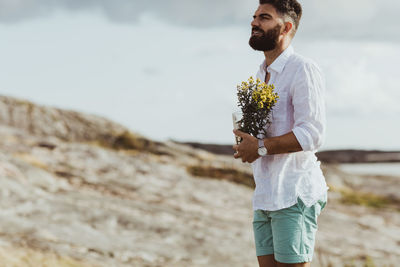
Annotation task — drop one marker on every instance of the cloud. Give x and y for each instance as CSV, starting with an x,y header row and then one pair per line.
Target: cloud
x,y
329,19
206,13
12,11
362,81
351,20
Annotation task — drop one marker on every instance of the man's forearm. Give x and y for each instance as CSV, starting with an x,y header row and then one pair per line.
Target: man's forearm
x,y
286,143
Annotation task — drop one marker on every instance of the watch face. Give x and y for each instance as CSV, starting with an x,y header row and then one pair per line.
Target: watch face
x,y
262,151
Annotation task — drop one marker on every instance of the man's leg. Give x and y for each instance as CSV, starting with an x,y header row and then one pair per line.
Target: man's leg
x,y
304,264
267,261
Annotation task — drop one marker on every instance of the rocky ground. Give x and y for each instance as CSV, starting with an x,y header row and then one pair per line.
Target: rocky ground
x,y
80,190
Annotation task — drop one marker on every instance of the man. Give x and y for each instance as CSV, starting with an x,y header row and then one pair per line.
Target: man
x,y
290,188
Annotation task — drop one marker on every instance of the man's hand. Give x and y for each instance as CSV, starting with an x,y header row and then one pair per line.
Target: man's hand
x,y
247,149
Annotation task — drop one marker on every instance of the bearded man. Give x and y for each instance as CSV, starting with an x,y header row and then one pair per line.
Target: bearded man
x,y
290,188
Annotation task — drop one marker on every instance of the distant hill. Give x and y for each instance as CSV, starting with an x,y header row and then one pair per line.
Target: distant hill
x,y
328,156
358,156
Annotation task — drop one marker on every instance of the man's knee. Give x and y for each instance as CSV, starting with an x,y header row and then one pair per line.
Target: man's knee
x,y
266,261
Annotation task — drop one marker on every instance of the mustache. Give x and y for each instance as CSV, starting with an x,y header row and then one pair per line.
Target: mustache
x,y
255,28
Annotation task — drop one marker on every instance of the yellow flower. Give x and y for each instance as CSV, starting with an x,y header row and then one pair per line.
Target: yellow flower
x,y
263,98
251,80
263,94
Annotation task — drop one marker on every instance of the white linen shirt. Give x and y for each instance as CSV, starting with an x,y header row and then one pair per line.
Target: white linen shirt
x,y
300,108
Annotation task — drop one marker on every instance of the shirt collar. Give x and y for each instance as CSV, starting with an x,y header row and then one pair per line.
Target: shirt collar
x,y
280,62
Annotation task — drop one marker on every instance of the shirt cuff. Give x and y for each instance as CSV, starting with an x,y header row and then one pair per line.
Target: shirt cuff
x,y
304,138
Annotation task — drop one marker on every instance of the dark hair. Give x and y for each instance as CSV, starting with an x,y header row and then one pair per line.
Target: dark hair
x,y
290,8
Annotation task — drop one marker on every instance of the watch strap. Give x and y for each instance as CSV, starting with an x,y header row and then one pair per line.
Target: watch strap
x,y
261,143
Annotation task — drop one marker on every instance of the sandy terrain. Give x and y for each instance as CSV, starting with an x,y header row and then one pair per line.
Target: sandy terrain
x,y
67,200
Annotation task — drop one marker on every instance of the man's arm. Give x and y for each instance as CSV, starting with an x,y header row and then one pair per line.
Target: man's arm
x,y
286,143
248,148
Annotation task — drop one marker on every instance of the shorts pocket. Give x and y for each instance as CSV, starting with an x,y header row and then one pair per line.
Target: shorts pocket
x,y
300,204
322,203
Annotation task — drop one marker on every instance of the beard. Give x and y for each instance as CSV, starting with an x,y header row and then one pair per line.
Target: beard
x,y
266,41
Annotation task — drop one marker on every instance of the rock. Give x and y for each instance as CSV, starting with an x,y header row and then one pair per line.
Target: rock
x,y
65,198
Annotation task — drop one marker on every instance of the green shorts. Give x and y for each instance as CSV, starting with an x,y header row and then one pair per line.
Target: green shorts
x,y
288,233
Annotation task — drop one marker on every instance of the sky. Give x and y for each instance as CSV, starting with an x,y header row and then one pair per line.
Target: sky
x,y
169,69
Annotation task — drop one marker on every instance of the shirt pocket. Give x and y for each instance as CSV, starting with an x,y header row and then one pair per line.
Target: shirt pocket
x,y
279,110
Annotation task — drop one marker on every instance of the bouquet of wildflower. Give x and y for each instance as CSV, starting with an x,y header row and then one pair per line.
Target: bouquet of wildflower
x,y
256,99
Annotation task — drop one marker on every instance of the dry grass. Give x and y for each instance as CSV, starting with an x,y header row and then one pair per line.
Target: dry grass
x,y
28,158
368,199
128,141
228,174
25,257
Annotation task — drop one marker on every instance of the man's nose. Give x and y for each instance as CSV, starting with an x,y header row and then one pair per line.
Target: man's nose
x,y
254,23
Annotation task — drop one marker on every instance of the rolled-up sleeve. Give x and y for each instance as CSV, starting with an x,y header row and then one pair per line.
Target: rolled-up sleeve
x,y
308,101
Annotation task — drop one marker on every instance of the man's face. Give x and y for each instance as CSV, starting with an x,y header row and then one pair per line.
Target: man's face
x,y
266,28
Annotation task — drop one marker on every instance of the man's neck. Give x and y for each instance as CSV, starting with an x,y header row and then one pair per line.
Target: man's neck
x,y
270,56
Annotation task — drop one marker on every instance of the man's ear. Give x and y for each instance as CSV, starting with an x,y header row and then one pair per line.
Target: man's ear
x,y
288,25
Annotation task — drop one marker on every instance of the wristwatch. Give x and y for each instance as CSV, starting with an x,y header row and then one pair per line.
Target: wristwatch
x,y
262,150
